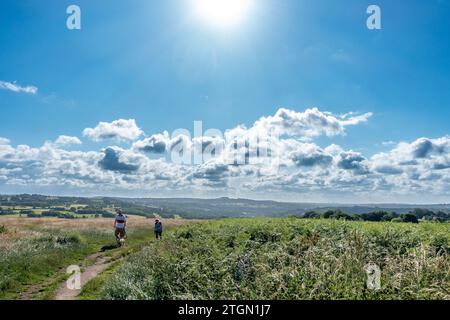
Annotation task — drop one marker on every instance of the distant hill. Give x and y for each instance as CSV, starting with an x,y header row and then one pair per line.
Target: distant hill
x,y
228,207
206,208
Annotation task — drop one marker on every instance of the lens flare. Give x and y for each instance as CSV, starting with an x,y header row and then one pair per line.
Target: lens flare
x,y
223,12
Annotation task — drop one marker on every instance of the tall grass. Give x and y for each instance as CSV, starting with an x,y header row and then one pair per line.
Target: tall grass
x,y
289,259
30,260
35,252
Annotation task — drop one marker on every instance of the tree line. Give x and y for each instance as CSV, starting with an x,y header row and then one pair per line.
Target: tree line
x,y
414,216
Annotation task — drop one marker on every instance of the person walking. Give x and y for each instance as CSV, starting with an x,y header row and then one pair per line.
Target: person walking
x,y
120,222
158,229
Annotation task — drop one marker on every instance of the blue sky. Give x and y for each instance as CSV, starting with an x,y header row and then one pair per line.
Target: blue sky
x,y
160,64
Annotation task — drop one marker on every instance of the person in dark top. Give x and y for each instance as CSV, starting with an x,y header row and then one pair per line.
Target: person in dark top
x,y
158,229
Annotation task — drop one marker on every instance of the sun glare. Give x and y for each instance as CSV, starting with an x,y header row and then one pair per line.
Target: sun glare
x,y
223,12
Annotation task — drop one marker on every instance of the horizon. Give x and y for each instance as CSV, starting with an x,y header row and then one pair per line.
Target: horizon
x,y
231,198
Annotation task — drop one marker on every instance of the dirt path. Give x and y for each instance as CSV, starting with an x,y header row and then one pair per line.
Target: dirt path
x,y
94,265
101,263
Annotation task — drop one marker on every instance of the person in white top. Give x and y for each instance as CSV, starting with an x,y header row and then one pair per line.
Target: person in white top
x,y
119,224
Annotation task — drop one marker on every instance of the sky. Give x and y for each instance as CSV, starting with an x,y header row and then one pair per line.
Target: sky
x,y
350,114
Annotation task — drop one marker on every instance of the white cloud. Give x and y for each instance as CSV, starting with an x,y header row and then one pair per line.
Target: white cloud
x,y
212,173
310,155
350,160
157,143
420,151
119,129
180,144
293,166
308,124
388,143
12,86
67,140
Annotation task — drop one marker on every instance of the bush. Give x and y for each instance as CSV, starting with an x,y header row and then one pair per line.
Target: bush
x,y
3,229
441,242
311,215
187,234
6,211
33,215
327,214
50,213
410,217
26,212
108,215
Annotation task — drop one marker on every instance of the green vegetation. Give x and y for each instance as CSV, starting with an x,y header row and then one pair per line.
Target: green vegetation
x,y
314,255
31,261
412,217
56,212
37,206
28,261
289,258
136,242
93,289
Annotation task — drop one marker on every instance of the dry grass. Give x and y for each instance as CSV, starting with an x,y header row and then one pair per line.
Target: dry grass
x,y
27,228
21,223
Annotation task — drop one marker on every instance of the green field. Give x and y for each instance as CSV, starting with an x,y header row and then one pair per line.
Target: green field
x,y
19,211
288,259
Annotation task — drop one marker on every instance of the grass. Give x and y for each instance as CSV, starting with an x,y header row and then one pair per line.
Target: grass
x,y
288,259
25,262
136,242
32,251
92,290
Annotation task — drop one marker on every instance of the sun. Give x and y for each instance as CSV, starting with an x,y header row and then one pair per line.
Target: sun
x,y
223,12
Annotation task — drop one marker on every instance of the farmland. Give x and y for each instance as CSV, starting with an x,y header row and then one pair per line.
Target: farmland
x,y
193,208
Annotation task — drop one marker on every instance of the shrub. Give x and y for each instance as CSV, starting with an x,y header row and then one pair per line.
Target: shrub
x,y
33,215
186,234
410,217
108,215
312,215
